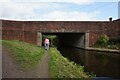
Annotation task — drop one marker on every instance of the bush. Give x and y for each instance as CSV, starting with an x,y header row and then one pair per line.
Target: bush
x,y
114,41
103,40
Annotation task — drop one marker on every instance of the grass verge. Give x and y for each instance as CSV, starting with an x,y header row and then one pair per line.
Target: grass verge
x,y
25,55
61,67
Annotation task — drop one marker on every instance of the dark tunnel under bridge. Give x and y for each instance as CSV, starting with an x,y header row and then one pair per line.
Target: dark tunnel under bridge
x,y
73,39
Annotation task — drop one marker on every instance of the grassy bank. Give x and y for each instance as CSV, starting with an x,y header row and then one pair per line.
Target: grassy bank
x,y
61,67
25,55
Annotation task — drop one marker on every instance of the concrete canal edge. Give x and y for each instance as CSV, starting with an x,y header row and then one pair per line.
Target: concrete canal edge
x,y
103,50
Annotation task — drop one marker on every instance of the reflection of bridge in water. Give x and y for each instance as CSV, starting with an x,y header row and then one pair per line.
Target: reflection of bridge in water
x,y
74,33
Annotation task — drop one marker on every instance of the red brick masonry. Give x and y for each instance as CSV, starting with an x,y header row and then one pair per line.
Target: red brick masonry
x,y
27,30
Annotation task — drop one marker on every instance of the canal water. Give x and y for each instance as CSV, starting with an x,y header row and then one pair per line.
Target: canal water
x,y
100,63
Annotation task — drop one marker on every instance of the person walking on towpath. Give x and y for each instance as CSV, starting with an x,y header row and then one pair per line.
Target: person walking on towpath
x,y
46,43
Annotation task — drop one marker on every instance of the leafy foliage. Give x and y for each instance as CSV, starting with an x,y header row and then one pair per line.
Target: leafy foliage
x,y
109,43
103,40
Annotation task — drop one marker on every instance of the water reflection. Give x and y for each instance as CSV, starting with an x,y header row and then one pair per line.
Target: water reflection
x,y
101,63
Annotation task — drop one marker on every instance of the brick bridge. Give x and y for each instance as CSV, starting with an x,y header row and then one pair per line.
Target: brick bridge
x,y
75,33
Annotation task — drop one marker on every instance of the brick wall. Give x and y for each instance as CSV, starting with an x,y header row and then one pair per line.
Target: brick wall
x,y
27,30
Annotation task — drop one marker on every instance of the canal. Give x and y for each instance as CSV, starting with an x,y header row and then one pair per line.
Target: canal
x,y
102,64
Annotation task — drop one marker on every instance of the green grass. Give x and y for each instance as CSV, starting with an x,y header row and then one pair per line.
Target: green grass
x,y
25,55
61,67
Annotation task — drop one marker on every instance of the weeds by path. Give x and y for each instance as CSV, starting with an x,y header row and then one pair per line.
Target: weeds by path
x,y
61,67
